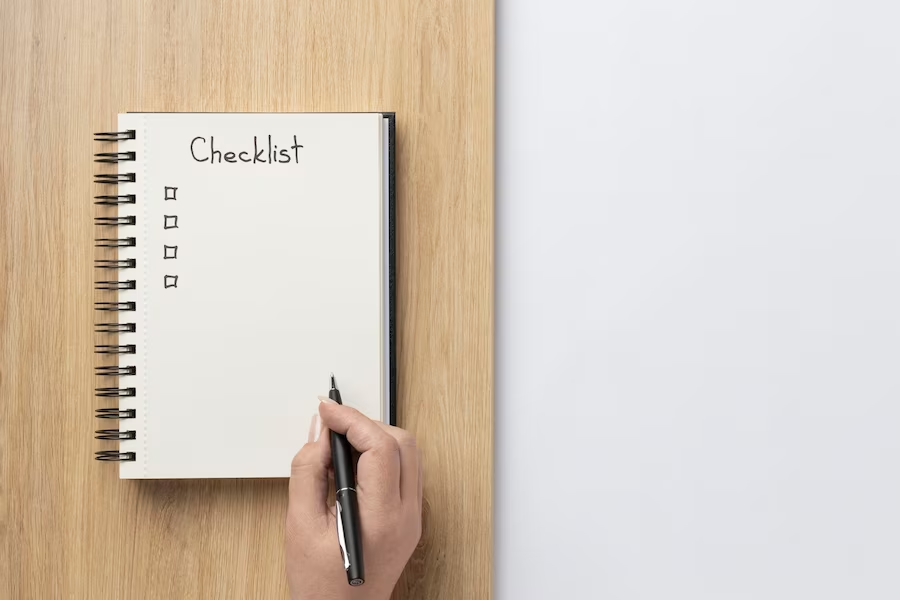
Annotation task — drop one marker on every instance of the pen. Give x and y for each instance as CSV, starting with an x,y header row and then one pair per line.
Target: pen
x,y
346,505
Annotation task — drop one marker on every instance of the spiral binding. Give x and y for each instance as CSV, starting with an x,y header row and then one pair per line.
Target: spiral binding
x,y
115,327
113,392
129,284
116,413
115,221
107,200
115,136
114,157
115,434
115,242
115,178
126,349
115,456
115,371
109,284
116,306
128,263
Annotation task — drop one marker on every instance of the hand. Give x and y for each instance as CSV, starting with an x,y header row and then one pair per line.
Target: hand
x,y
389,489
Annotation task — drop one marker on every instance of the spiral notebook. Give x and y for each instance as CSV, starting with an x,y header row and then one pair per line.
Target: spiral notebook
x,y
242,258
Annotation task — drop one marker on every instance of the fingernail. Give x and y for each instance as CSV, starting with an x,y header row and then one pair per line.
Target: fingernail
x,y
314,427
318,421
326,399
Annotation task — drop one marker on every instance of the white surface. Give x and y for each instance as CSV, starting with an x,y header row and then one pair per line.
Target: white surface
x,y
698,300
279,283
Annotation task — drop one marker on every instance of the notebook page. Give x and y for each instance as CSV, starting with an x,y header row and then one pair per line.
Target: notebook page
x,y
260,239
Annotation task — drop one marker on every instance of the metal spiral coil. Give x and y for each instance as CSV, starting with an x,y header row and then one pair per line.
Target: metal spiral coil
x,y
115,221
129,284
115,136
115,371
126,263
115,434
114,392
115,456
115,327
115,349
116,413
107,283
116,306
106,200
115,178
116,242
114,157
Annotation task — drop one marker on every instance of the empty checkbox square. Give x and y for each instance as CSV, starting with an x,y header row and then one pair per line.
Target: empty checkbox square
x,y
170,222
170,281
170,251
170,193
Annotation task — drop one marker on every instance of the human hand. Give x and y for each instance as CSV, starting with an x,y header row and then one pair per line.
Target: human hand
x,y
389,490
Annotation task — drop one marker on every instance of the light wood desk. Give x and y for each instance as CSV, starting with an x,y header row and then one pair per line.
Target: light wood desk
x,y
69,527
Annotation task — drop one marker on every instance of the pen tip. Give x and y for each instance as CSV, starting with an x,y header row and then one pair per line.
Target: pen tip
x,y
333,386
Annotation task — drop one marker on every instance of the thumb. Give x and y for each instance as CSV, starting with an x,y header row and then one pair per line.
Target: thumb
x,y
308,489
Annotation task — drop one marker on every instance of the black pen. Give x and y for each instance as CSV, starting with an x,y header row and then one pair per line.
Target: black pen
x,y
346,505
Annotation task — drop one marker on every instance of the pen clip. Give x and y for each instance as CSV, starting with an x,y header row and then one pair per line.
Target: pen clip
x,y
341,541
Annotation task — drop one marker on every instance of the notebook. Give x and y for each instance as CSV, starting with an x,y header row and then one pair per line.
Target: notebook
x,y
242,258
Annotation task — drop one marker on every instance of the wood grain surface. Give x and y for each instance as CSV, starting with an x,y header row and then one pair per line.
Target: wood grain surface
x,y
70,528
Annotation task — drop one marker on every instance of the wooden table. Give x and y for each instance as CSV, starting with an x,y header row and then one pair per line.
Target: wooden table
x,y
70,528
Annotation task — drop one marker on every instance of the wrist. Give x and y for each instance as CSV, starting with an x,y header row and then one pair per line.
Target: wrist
x,y
364,592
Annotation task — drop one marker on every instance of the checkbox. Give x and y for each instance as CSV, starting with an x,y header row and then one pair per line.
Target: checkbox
x,y
170,222
171,281
170,251
170,193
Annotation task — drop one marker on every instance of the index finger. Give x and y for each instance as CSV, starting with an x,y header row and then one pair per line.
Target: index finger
x,y
378,471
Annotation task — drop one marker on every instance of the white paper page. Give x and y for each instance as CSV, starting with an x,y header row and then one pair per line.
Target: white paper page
x,y
279,269
698,300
